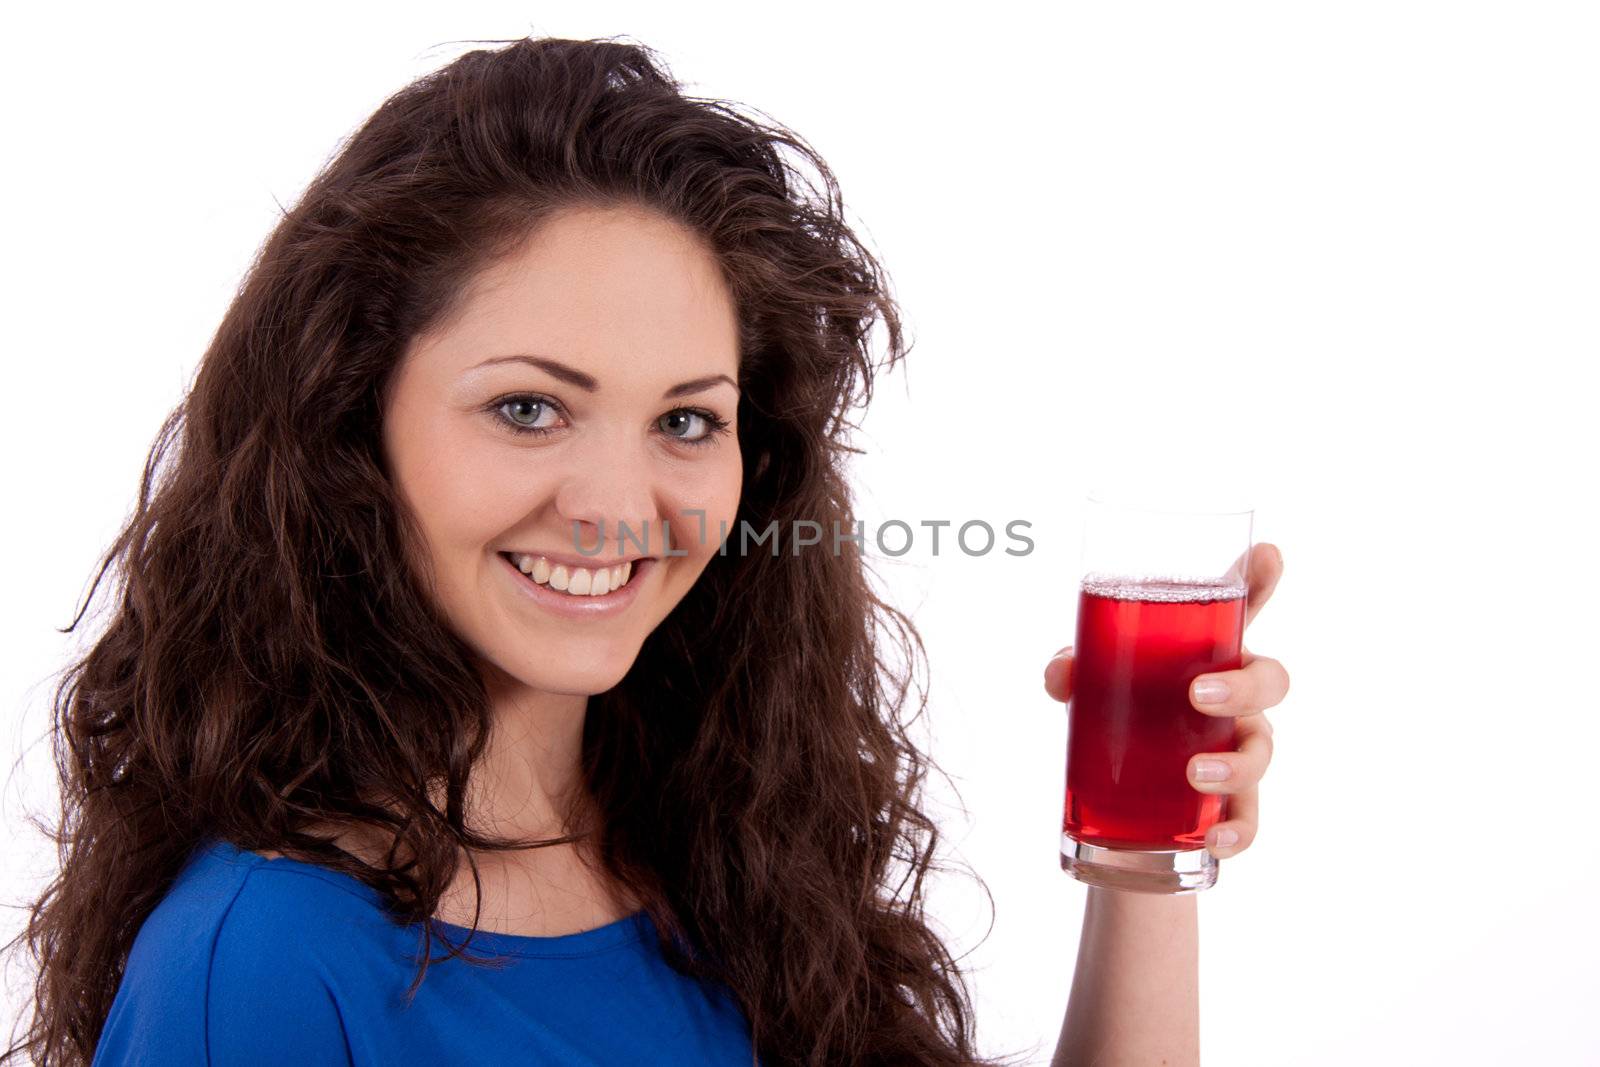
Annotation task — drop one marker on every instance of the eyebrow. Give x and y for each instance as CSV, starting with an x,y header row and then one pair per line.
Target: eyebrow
x,y
586,382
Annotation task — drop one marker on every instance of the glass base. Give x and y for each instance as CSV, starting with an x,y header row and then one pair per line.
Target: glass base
x,y
1171,871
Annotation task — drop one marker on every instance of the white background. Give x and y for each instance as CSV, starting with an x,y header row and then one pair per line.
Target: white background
x,y
1340,257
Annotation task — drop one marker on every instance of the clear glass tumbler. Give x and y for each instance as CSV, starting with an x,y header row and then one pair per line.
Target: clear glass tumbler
x,y
1161,601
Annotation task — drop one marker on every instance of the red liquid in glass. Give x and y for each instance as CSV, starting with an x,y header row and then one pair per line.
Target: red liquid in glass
x,y
1131,730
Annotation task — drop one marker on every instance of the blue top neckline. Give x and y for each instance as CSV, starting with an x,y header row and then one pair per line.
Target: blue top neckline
x,y
620,932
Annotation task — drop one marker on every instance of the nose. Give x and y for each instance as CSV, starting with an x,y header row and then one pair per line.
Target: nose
x,y
609,508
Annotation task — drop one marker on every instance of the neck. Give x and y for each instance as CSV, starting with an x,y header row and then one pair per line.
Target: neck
x,y
529,780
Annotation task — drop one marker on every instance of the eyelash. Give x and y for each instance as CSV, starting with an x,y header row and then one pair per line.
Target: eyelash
x,y
718,425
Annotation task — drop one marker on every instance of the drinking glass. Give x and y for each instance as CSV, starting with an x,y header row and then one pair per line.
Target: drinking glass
x,y
1161,601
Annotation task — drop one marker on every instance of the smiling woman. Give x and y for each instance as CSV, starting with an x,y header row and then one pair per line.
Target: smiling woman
x,y
420,635
547,458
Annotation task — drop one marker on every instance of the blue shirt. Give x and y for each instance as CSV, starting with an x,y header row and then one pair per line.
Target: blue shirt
x,y
248,960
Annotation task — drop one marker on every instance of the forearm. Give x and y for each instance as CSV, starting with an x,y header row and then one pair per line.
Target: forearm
x,y
1136,989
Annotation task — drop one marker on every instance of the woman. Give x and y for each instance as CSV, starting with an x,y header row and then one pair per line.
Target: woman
x,y
430,632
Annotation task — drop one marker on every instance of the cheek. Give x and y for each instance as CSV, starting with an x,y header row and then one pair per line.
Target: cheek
x,y
696,509
462,493
717,494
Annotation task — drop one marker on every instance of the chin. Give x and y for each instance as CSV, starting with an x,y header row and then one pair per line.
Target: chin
x,y
573,677
578,683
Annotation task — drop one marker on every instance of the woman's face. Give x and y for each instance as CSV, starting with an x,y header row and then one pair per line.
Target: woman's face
x,y
587,379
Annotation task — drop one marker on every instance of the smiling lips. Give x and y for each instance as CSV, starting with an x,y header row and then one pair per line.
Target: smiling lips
x,y
574,581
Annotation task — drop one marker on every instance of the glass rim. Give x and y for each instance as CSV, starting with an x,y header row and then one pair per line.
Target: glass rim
x,y
1102,497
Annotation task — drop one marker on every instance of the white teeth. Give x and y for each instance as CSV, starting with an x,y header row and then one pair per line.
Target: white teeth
x,y
576,581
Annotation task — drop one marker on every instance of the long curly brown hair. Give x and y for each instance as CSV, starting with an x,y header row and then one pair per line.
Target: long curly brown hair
x,y
265,668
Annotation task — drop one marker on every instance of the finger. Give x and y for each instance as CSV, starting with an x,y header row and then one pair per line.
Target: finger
x,y
1241,769
1242,822
1261,565
1247,724
1260,684
1058,675
1266,567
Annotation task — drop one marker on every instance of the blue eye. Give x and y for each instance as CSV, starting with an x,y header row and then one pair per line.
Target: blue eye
x,y
532,407
679,424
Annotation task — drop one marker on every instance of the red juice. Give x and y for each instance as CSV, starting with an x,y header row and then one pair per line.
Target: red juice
x,y
1131,729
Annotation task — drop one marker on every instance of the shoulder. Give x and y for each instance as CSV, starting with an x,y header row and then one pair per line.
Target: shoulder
x,y
234,966
230,908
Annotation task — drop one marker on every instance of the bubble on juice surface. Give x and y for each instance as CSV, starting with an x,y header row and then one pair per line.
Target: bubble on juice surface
x,y
1162,588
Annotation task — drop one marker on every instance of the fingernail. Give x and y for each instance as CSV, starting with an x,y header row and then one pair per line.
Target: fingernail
x,y
1211,770
1064,652
1225,839
1211,691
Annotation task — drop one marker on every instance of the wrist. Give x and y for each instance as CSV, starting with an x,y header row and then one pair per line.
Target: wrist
x,y
1134,902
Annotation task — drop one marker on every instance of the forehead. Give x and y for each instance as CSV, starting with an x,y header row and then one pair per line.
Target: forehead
x,y
600,286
